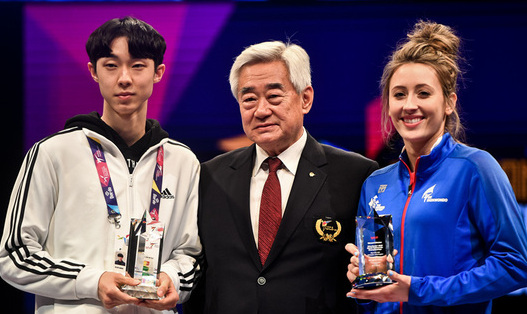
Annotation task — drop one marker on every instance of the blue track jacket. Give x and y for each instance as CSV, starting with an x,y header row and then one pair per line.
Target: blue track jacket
x,y
457,228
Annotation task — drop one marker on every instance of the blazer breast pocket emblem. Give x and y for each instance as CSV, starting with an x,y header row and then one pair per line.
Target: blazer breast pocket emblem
x,y
328,229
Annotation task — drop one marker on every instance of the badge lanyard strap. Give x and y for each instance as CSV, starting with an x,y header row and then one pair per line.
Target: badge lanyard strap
x,y
114,215
157,183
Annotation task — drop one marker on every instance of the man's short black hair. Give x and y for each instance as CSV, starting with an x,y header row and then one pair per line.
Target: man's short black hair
x,y
143,40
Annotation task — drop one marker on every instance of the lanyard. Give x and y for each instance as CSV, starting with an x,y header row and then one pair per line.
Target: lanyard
x,y
114,215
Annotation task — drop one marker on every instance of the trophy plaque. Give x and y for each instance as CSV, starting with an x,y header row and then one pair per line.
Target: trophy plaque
x,y
144,257
375,244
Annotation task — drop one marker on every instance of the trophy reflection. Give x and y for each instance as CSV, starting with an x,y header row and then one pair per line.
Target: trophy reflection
x,y
375,245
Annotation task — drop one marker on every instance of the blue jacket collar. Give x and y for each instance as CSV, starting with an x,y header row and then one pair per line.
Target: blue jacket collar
x,y
428,163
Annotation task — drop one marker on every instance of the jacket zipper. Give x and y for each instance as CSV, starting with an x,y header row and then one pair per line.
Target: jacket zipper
x,y
410,192
130,194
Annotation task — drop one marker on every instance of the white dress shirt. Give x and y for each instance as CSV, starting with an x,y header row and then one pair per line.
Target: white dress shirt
x,y
286,175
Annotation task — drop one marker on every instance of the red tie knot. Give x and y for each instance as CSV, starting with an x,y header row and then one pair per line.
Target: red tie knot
x,y
274,163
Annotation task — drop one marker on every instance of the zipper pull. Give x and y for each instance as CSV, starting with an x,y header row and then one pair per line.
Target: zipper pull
x,y
130,181
412,175
412,183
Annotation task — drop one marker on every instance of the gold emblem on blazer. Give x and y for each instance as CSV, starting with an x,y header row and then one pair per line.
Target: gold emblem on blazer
x,y
328,229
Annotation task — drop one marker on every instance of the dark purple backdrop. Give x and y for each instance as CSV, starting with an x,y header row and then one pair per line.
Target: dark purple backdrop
x,y
45,78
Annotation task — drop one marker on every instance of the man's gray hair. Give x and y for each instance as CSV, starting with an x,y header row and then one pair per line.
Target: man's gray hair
x,y
295,58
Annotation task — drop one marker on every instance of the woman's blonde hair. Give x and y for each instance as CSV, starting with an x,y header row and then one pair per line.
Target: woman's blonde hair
x,y
435,45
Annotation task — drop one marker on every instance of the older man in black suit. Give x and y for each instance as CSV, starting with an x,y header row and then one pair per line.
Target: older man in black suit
x,y
274,217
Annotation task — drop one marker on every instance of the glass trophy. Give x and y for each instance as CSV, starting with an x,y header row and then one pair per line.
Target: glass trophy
x,y
375,244
144,257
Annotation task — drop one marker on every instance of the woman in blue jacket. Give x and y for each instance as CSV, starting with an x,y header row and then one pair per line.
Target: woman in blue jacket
x,y
459,235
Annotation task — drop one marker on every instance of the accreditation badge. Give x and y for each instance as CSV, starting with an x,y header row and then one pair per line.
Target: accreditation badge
x,y
120,251
328,229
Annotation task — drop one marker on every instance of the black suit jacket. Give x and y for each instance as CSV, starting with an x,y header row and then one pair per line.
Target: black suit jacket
x,y
303,273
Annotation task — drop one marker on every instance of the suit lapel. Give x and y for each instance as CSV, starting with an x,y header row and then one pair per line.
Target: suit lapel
x,y
308,180
238,181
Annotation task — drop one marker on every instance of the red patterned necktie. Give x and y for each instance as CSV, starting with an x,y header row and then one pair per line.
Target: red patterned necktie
x,y
270,210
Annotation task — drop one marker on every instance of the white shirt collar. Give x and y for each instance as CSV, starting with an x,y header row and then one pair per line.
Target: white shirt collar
x,y
437,142
290,157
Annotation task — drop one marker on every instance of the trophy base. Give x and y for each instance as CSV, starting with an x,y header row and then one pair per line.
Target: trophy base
x,y
371,281
142,292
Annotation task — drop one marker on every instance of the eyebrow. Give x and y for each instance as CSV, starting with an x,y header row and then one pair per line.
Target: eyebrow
x,y
269,86
404,87
110,56
423,85
275,86
246,90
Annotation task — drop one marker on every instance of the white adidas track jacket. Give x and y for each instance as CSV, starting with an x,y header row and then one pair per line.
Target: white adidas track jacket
x,y
57,240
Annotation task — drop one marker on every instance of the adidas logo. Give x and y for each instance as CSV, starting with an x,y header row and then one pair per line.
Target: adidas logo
x,y
166,194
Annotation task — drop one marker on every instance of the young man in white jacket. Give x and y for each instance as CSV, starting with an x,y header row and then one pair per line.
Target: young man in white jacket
x,y
77,191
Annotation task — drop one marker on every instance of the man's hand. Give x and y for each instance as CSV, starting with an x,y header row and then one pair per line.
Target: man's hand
x,y
166,291
109,290
396,292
